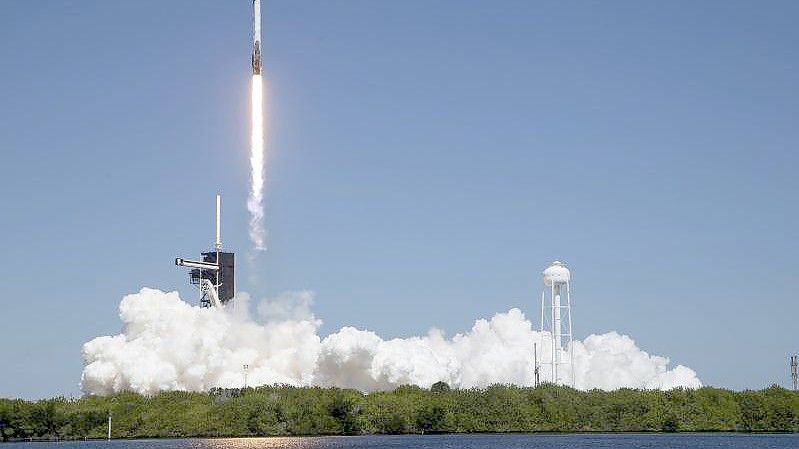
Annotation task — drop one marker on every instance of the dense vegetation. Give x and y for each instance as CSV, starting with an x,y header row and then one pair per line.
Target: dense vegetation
x,y
284,410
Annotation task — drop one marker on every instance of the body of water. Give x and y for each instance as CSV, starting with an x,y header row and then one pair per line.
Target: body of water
x,y
492,441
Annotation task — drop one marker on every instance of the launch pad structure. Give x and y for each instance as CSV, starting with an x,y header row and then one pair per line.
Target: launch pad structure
x,y
214,275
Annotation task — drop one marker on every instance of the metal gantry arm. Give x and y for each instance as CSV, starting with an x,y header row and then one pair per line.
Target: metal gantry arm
x,y
196,264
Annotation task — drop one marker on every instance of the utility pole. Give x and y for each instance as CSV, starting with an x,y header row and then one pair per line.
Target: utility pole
x,y
537,366
794,373
109,418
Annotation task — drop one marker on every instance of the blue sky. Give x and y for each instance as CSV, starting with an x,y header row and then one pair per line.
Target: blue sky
x,y
426,160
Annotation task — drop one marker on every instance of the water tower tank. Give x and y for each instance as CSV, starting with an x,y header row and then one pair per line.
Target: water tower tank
x,y
556,274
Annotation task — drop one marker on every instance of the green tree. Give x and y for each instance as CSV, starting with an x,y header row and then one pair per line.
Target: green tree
x,y
440,387
431,419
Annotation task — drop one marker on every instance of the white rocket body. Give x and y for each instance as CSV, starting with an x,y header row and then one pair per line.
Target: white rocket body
x,y
256,37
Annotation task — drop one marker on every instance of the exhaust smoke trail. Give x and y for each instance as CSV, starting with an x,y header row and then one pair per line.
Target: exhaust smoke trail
x,y
167,344
255,199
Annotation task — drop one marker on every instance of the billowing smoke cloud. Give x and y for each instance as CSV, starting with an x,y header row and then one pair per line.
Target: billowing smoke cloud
x,y
255,200
168,344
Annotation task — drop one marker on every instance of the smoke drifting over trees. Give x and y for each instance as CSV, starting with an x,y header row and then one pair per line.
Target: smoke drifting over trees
x,y
167,344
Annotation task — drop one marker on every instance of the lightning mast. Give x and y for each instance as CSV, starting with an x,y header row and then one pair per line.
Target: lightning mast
x,y
794,372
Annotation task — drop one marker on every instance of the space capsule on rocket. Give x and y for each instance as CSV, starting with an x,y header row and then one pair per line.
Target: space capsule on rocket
x,y
256,37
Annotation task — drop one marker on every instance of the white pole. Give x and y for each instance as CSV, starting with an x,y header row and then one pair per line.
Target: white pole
x,y
558,329
552,334
543,300
571,335
542,310
109,424
557,324
218,220
218,243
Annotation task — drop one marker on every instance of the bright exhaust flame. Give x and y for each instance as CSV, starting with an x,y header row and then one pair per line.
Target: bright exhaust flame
x,y
255,199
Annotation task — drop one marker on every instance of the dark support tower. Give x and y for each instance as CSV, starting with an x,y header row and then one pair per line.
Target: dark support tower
x,y
215,274
225,280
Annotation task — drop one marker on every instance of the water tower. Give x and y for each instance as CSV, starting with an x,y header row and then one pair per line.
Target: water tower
x,y
556,323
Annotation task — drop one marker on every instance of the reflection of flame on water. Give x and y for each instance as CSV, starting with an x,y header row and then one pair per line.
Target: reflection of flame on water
x,y
255,199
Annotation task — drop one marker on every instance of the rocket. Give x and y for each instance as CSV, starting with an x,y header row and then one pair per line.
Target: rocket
x,y
256,37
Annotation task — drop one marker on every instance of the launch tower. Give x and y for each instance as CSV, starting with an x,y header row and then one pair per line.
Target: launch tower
x,y
214,275
557,326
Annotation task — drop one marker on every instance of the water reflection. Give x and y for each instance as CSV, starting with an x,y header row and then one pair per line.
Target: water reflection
x,y
488,441
263,443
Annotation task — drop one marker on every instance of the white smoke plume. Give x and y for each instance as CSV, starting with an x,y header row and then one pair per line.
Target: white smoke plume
x,y
167,344
255,200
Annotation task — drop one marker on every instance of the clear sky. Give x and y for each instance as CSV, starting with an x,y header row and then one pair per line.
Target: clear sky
x,y
426,160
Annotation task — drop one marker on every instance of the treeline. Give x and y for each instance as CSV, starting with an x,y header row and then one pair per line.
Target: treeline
x,y
285,410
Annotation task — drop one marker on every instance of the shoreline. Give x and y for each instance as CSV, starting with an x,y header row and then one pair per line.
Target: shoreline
x,y
409,410
415,435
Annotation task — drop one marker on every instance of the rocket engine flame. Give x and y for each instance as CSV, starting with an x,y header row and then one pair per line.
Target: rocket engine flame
x,y
255,199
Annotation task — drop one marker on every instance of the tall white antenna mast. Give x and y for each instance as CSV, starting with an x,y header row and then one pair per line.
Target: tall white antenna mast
x,y
218,247
218,244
